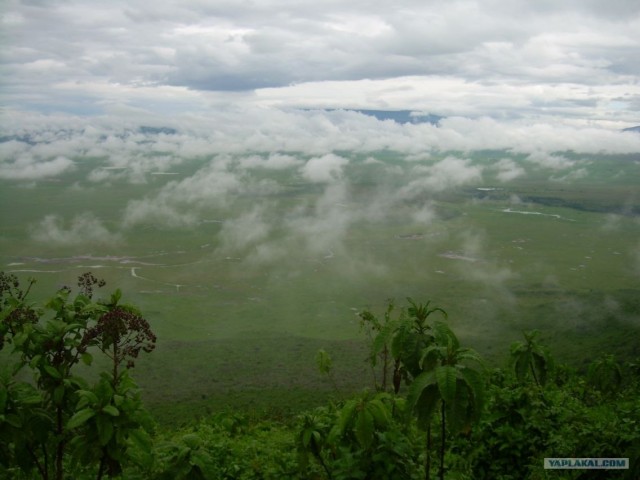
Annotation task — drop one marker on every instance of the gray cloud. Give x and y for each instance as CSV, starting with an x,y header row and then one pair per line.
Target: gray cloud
x,y
94,57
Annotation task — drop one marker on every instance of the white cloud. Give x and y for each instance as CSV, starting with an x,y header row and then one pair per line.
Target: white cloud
x,y
547,160
322,226
275,161
247,229
508,170
324,169
500,58
82,229
179,202
26,167
447,173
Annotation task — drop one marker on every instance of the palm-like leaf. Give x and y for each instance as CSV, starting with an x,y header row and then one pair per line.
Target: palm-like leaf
x,y
447,377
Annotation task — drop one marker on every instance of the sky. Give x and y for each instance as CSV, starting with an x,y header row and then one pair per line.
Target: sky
x,y
516,61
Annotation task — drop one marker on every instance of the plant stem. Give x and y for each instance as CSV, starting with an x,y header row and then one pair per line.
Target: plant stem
x,y
115,364
41,469
442,444
385,363
60,446
427,461
101,468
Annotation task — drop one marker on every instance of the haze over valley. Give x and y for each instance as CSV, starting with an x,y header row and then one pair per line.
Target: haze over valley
x,y
253,177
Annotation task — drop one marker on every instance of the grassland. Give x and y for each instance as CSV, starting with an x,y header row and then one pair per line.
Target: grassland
x,y
239,318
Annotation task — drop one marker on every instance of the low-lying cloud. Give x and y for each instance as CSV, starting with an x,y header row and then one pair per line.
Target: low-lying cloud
x,y
82,229
27,167
448,173
324,169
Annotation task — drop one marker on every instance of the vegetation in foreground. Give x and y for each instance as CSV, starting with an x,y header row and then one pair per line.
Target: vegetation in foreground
x,y
434,411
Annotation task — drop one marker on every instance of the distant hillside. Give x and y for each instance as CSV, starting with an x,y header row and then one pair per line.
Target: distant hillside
x,y
402,116
157,130
632,129
398,116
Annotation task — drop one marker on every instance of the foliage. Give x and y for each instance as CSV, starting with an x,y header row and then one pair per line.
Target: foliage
x,y
324,363
380,334
229,446
59,420
531,357
481,424
368,436
605,375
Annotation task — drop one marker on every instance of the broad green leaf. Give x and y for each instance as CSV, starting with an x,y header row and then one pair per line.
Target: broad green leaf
x,y
28,394
379,411
141,448
364,428
541,367
446,375
35,361
460,411
445,336
475,384
87,397
80,418
346,417
111,410
421,382
73,326
52,372
522,365
430,356
105,429
426,405
87,358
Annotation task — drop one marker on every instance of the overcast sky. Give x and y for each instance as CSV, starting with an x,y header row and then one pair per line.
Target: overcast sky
x,y
506,59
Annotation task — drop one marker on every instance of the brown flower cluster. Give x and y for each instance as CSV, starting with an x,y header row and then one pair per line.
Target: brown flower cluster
x,y
120,334
86,282
12,297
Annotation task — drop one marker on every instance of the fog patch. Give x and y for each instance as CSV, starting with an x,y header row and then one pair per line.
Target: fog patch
x,y
492,274
275,161
27,167
611,222
82,229
248,229
325,225
324,169
179,202
425,215
551,161
448,173
508,170
571,176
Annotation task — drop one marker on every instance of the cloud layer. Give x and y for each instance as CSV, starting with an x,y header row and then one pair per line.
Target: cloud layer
x,y
499,58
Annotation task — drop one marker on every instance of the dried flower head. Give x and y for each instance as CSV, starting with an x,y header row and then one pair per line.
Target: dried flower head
x,y
86,282
120,334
